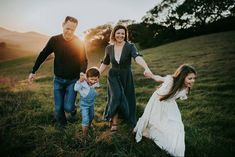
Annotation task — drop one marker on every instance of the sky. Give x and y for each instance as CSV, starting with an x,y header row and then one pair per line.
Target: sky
x,y
47,16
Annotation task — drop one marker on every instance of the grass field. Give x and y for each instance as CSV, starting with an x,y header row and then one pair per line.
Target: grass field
x,y
27,127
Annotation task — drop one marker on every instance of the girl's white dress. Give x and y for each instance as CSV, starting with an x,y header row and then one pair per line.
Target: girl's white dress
x,y
161,120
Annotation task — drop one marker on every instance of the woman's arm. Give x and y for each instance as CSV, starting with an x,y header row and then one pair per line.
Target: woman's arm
x,y
102,68
147,72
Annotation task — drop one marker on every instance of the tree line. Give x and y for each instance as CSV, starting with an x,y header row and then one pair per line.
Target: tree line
x,y
169,21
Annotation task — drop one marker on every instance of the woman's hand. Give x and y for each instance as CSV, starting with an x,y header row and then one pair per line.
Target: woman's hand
x,y
102,68
148,73
141,62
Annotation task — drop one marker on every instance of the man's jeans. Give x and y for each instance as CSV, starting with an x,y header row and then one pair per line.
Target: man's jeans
x,y
64,97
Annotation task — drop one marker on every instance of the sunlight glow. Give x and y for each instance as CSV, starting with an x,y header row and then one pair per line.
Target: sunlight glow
x,y
46,17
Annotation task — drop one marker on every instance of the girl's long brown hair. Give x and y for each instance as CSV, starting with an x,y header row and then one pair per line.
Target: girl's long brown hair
x,y
178,80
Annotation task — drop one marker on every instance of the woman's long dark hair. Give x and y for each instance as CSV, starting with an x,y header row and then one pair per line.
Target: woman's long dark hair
x,y
178,80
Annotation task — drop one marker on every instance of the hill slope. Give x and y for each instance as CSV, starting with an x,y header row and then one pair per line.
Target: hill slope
x,y
20,44
26,112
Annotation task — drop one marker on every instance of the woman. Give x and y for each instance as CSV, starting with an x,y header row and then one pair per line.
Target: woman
x,y
161,120
121,93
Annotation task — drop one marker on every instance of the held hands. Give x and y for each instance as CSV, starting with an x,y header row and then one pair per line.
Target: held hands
x,y
82,77
148,73
31,78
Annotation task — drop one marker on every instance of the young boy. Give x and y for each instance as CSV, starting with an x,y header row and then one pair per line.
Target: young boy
x,y
87,91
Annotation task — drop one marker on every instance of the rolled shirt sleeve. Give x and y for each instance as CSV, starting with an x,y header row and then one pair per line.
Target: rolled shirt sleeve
x,y
134,51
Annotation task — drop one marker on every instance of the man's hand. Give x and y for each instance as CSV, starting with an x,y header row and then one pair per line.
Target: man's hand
x,y
82,77
31,78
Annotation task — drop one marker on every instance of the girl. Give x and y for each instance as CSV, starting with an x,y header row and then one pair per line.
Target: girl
x,y
161,120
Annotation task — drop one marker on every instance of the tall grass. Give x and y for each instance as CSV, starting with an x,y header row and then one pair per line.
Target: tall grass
x,y
27,127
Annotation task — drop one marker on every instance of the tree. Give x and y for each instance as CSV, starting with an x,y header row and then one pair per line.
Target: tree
x,y
145,34
205,11
126,22
98,37
163,14
190,13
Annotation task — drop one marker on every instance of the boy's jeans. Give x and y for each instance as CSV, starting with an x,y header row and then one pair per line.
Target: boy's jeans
x,y
64,97
87,114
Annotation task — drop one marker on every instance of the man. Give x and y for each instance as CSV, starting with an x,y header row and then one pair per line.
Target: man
x,y
70,60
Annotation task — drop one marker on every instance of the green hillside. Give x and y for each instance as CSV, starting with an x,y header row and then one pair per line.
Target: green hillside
x,y
27,127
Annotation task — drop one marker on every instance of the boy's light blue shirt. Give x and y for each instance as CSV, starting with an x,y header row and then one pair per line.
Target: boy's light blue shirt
x,y
83,88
